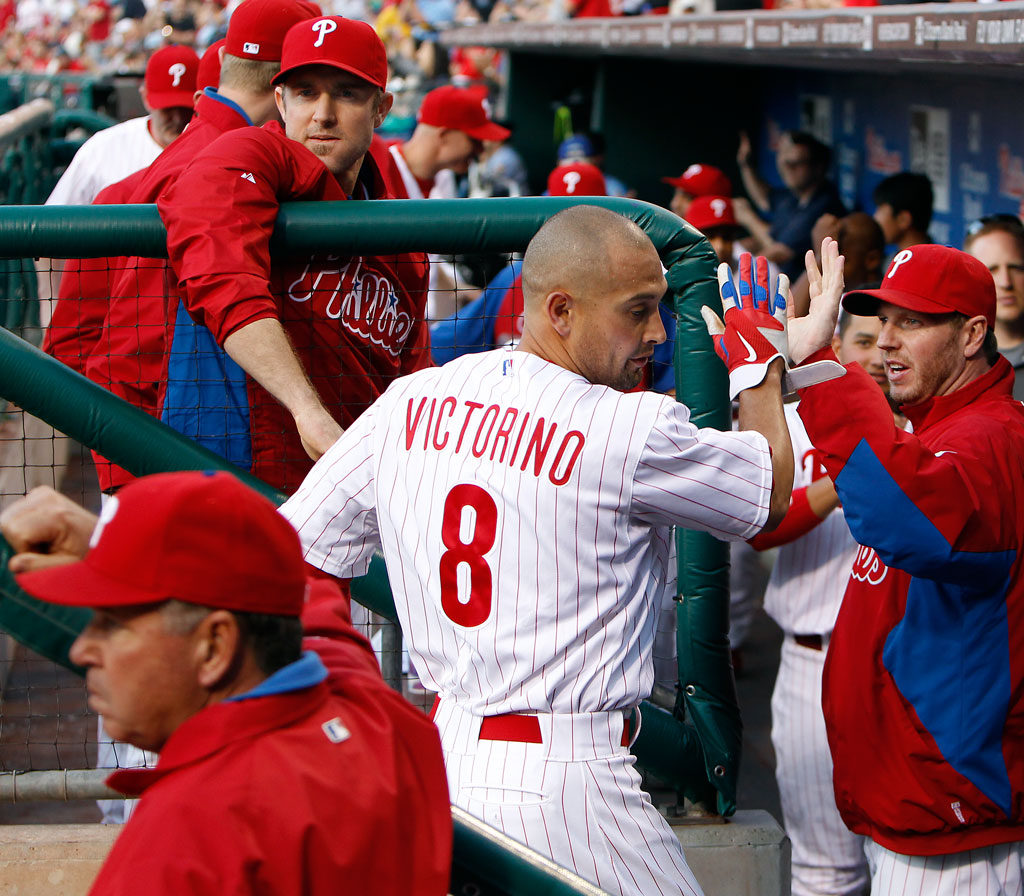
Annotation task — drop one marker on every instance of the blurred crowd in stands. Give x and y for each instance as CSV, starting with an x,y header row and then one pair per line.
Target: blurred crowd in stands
x,y
113,36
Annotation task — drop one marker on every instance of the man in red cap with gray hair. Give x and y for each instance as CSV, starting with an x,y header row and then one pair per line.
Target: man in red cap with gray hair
x,y
286,765
110,319
269,359
923,687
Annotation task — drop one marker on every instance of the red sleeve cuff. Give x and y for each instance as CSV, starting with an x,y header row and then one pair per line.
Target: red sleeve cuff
x,y
798,521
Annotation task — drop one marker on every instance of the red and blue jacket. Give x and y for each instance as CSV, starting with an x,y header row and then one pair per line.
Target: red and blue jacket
x,y
924,682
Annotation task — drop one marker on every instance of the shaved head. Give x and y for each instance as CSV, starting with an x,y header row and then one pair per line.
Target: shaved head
x,y
592,287
572,251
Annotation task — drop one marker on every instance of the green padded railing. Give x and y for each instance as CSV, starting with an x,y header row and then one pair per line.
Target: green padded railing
x,y
699,756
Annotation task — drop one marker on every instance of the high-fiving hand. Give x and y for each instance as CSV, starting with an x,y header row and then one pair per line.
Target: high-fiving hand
x,y
757,324
754,332
815,330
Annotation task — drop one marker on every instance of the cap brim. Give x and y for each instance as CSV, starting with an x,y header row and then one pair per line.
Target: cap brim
x,y
359,73
674,182
170,99
864,302
490,131
79,585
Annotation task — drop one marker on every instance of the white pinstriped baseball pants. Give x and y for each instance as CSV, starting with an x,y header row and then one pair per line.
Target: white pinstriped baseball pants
x,y
987,871
828,859
576,797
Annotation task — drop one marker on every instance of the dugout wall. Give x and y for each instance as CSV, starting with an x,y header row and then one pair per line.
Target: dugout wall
x,y
696,747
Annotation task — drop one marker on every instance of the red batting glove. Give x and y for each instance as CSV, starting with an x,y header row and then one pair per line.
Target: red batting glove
x,y
754,332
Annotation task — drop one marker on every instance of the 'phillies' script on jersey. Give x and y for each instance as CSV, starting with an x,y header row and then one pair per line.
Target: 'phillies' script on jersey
x,y
363,299
505,434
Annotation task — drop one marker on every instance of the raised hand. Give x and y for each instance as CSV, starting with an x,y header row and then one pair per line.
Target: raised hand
x,y
815,330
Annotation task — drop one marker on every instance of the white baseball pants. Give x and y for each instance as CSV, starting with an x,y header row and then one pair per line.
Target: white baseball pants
x,y
574,797
988,871
828,859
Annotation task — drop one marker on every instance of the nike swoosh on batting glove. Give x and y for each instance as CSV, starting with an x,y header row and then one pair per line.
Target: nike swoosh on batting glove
x,y
766,316
754,332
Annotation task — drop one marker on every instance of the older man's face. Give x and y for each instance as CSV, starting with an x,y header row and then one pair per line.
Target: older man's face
x,y
140,673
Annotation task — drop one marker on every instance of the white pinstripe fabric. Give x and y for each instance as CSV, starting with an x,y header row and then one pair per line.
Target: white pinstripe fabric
x,y
576,558
105,158
988,871
576,797
810,574
803,596
578,569
828,859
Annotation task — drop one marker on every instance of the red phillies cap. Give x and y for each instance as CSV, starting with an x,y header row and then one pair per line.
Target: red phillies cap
x,y
461,109
348,44
576,179
702,180
932,279
209,66
257,28
171,77
707,212
202,538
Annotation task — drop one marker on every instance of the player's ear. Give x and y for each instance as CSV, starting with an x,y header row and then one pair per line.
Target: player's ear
x,y
279,100
974,333
558,307
384,105
217,649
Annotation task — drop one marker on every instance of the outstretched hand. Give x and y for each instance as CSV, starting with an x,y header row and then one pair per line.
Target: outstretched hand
x,y
815,330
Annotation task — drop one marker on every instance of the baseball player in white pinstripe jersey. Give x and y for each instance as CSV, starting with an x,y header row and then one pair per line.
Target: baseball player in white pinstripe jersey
x,y
816,552
112,154
523,503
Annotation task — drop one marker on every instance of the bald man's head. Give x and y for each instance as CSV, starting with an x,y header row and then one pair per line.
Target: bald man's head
x,y
573,250
592,285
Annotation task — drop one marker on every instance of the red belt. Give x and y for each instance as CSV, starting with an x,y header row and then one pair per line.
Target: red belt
x,y
522,729
811,642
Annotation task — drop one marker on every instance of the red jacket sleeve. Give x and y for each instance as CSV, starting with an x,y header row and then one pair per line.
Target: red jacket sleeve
x,y
219,216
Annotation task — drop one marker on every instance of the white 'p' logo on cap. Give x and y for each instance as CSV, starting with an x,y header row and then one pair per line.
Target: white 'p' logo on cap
x,y
177,72
325,27
571,179
718,207
901,257
106,515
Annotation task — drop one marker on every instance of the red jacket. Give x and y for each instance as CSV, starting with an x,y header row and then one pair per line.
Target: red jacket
x,y
84,294
260,795
126,351
356,323
924,679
